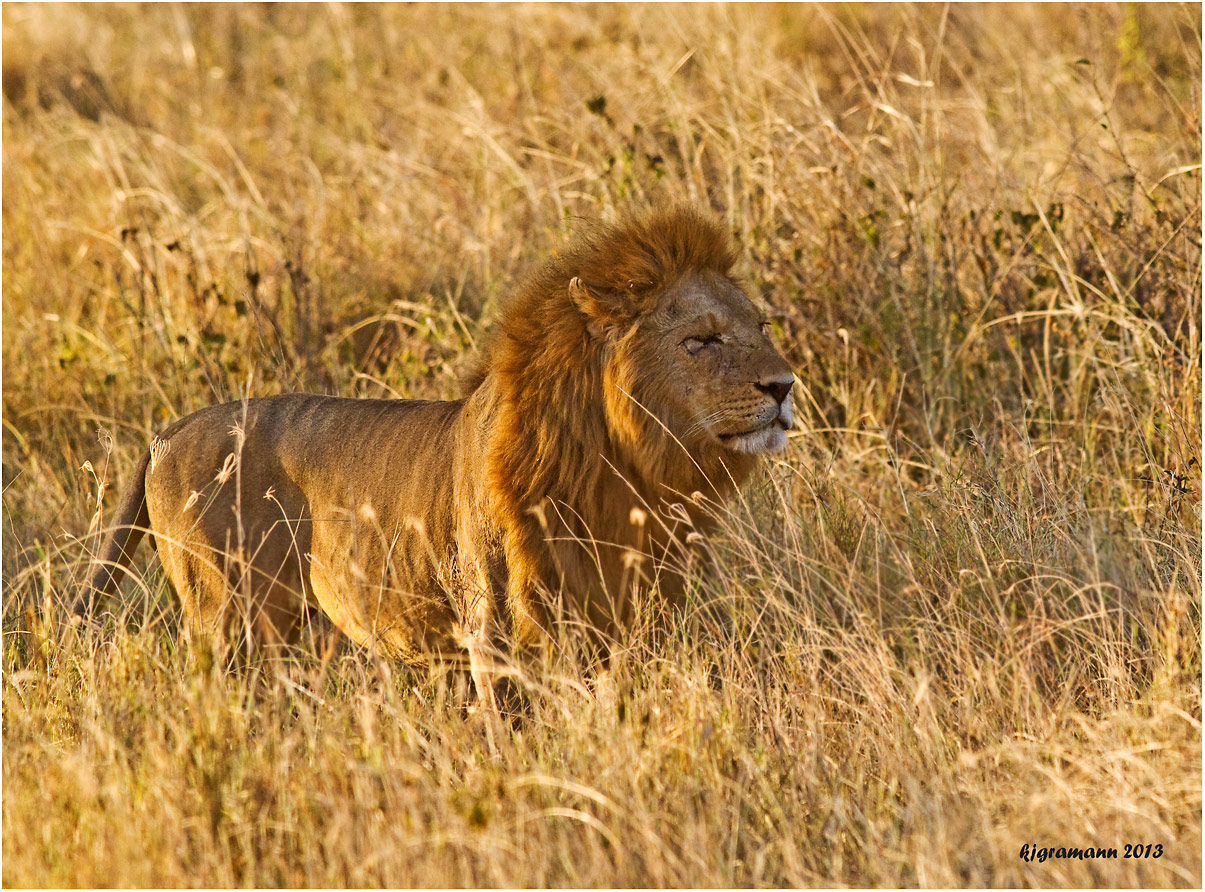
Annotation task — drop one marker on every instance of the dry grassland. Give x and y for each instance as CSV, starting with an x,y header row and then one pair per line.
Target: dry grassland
x,y
962,613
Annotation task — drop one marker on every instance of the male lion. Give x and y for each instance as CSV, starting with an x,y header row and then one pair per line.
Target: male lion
x,y
628,372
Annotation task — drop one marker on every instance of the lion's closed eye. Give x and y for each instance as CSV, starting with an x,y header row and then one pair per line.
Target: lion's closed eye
x,y
694,345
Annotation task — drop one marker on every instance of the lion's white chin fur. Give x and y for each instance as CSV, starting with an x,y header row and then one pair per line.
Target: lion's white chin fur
x,y
771,438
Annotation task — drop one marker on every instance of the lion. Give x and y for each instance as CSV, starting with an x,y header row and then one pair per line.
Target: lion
x,y
628,373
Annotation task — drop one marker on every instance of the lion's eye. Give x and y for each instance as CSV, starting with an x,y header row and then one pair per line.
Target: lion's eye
x,y
694,345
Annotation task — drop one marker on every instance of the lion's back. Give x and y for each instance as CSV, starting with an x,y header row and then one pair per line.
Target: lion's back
x,y
321,443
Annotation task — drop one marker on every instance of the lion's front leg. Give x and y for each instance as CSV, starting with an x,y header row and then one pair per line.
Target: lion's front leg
x,y
484,666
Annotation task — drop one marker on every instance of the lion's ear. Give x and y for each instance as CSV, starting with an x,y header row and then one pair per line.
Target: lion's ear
x,y
604,317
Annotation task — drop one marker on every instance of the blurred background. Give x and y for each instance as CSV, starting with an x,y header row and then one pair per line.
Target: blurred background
x,y
978,232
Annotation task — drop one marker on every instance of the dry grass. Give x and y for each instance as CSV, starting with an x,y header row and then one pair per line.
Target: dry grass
x,y
961,614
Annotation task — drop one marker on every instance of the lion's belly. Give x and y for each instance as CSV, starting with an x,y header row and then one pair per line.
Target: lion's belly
x,y
385,586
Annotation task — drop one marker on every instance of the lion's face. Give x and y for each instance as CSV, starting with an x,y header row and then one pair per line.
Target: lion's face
x,y
713,377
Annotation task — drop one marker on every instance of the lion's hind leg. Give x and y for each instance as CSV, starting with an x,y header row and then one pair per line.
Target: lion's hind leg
x,y
200,584
247,596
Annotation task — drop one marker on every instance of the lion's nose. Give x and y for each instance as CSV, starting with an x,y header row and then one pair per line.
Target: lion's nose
x,y
777,388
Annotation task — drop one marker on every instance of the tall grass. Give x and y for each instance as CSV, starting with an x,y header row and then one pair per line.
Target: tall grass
x,y
961,614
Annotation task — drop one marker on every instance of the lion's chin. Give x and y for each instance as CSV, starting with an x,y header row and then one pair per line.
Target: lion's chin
x,y
771,438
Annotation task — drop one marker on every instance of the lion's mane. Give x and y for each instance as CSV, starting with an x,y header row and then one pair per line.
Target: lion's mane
x,y
567,453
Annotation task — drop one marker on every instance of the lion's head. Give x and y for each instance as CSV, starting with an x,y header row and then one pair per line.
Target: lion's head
x,y
629,370
698,372
644,317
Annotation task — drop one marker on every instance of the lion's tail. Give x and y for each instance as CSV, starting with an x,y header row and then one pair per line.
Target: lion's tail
x,y
130,526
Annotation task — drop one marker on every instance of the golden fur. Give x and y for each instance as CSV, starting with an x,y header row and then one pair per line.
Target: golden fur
x,y
629,372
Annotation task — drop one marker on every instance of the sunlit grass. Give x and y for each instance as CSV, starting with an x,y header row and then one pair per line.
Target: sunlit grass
x,y
960,614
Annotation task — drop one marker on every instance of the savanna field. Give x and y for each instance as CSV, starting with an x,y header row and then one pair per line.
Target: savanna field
x,y
960,614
